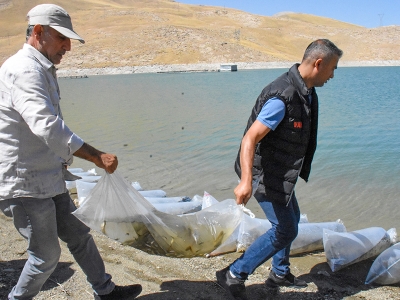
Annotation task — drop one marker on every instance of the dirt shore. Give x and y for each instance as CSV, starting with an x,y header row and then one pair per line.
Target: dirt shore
x,y
183,278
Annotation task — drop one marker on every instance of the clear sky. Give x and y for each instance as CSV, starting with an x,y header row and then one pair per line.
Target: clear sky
x,y
367,13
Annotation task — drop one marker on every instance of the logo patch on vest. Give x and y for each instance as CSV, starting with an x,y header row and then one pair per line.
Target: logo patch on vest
x,y
298,124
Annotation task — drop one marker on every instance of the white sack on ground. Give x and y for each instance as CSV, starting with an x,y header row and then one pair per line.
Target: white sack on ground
x,y
168,199
90,172
251,228
137,186
75,170
346,248
71,186
148,193
114,203
153,193
308,239
386,267
89,176
303,218
310,235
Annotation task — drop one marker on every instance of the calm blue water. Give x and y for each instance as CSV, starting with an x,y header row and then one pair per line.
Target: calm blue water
x,y
181,132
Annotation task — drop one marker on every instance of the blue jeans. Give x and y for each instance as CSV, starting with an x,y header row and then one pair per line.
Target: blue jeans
x,y
41,222
274,243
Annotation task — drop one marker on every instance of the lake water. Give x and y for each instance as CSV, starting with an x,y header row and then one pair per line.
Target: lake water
x,y
180,132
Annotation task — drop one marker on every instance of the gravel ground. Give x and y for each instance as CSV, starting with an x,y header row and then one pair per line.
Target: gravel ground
x,y
183,278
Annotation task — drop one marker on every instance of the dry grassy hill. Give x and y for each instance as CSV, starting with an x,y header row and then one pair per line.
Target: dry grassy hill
x,y
144,32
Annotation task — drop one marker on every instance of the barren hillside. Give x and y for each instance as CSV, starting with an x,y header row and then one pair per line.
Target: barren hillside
x,y
145,32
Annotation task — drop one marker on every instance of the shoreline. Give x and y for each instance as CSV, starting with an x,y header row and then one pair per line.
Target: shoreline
x,y
203,67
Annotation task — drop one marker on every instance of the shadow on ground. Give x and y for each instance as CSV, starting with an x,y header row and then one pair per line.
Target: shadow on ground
x,y
10,271
323,284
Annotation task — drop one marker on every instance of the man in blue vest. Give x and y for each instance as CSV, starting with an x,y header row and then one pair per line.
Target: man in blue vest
x,y
277,147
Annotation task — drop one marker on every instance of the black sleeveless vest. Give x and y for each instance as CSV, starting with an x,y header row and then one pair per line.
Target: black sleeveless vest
x,y
287,152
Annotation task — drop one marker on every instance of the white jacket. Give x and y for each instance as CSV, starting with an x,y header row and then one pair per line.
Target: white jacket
x,y
34,140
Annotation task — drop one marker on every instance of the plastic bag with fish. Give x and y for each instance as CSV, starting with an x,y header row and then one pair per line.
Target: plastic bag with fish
x,y
345,248
386,267
245,234
308,239
310,236
113,204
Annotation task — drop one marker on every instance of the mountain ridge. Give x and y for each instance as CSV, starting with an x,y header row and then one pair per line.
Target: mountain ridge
x,y
163,32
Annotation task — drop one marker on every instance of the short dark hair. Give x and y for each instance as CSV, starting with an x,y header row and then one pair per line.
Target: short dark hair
x,y
29,31
321,48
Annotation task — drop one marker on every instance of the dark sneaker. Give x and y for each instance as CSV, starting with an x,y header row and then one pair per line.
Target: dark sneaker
x,y
121,293
274,281
234,286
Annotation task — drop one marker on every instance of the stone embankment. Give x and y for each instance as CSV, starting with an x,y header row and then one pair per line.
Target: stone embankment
x,y
82,73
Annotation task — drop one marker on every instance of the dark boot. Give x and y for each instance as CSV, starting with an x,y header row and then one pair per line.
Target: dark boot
x,y
274,281
234,286
128,292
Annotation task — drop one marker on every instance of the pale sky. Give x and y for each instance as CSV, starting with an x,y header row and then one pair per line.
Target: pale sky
x,y
367,13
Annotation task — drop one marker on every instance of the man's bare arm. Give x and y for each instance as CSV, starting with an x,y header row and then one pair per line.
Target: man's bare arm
x,y
106,161
255,133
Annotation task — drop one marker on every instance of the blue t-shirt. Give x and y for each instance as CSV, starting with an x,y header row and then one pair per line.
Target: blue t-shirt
x,y
272,113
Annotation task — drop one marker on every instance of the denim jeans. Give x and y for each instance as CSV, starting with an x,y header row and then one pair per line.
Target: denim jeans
x,y
275,242
41,222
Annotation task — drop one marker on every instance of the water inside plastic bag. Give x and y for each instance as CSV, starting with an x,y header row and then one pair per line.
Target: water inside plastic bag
x,y
386,267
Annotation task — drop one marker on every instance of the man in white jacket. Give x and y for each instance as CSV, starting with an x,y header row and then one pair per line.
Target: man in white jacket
x,y
35,147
